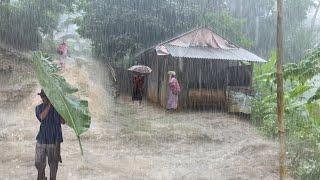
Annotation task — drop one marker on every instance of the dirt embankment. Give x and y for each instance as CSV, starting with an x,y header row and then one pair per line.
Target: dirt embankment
x,y
127,141
16,77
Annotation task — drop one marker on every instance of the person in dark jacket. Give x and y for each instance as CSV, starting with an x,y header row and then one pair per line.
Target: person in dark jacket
x,y
48,139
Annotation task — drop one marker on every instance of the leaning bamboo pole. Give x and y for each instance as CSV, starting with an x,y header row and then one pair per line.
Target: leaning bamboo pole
x,y
280,98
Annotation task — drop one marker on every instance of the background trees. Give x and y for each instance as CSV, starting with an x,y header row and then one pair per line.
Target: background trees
x,y
123,28
119,29
23,23
260,26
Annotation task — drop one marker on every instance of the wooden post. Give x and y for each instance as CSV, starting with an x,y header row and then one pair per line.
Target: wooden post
x,y
164,84
280,98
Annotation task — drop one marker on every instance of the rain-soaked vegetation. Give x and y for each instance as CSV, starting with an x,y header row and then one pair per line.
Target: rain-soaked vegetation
x,y
117,31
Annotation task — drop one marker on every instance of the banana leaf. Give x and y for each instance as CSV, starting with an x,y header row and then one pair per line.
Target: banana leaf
x,y
314,112
299,90
74,111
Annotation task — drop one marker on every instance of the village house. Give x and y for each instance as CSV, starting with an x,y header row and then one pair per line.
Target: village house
x,y
209,68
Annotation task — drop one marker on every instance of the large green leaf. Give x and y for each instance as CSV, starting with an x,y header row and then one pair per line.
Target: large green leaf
x,y
261,71
73,110
314,111
299,90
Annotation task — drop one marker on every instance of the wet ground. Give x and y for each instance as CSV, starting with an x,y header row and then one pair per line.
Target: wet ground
x,y
128,141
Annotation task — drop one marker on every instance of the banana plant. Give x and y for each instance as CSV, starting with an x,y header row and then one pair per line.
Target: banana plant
x,y
74,111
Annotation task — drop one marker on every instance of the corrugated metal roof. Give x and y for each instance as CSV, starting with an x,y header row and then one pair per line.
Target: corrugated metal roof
x,y
203,43
236,54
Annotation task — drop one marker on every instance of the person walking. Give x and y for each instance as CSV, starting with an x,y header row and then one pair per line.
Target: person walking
x,y
48,139
137,90
174,90
62,51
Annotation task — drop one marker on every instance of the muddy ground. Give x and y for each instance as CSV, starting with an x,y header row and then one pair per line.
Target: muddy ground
x,y
129,141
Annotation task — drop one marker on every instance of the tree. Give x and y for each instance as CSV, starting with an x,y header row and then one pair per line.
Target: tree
x,y
260,25
317,7
299,37
227,26
122,28
22,24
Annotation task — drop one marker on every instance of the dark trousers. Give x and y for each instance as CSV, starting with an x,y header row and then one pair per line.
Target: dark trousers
x,y
42,152
136,94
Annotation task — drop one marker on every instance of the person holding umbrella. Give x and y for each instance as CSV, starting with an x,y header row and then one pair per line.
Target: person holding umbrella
x,y
138,81
137,90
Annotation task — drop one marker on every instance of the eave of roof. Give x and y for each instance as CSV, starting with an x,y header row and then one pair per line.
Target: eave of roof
x,y
238,54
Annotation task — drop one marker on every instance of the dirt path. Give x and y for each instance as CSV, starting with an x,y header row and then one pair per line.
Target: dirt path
x,y
137,142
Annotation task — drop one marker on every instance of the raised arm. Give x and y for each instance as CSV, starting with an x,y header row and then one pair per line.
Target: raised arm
x,y
41,115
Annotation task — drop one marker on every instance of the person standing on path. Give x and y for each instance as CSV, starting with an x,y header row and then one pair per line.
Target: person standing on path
x,y
48,139
174,90
137,90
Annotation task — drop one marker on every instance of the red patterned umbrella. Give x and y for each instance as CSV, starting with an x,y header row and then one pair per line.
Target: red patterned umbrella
x,y
140,69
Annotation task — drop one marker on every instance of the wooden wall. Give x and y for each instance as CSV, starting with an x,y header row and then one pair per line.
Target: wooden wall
x,y
124,79
203,82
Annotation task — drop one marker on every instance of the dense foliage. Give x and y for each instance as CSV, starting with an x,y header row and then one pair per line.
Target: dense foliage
x,y
227,26
302,99
122,28
260,26
24,23
125,27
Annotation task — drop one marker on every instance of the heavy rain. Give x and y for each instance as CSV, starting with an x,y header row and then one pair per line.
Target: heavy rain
x,y
159,89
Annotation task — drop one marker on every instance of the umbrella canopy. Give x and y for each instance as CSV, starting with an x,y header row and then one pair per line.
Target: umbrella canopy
x,y
140,69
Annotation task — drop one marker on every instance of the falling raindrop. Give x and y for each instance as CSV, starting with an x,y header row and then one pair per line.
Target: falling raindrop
x,y
203,74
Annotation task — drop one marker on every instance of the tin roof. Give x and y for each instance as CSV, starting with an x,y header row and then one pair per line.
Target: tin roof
x,y
237,54
203,43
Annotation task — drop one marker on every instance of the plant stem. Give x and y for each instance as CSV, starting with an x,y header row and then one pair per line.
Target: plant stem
x,y
78,137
